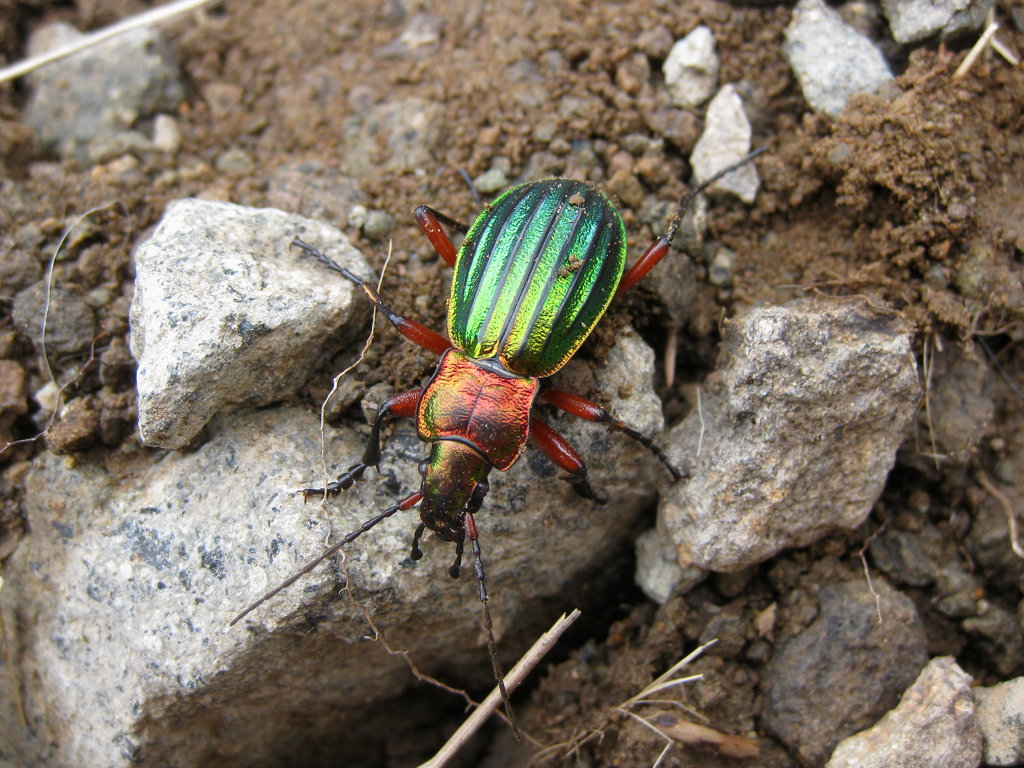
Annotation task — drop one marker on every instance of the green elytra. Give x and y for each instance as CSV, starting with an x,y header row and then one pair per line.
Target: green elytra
x,y
535,273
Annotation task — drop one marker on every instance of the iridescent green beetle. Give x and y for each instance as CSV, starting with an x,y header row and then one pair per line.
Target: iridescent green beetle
x,y
535,273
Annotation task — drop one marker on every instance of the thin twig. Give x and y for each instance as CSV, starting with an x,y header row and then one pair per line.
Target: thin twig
x,y
378,637
999,47
512,680
867,571
340,376
148,19
49,278
1011,513
928,363
642,721
700,415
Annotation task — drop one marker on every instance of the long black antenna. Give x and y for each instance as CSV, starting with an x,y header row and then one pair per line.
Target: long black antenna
x,y
492,646
687,200
405,503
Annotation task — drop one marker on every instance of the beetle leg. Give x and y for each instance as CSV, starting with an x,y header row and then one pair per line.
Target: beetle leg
x,y
400,405
561,452
578,406
417,553
656,251
492,646
415,332
456,568
430,223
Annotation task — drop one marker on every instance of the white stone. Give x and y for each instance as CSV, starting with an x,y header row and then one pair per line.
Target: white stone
x,y
691,69
726,140
914,20
831,60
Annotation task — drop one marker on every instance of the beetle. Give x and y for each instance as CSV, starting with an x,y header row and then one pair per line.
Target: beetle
x,y
536,271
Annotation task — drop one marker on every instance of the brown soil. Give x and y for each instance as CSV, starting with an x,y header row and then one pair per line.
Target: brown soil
x,y
913,200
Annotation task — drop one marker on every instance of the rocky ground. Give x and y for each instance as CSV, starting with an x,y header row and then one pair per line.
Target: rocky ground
x,y
834,361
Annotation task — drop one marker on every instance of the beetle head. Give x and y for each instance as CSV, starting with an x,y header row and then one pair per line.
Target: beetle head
x,y
454,482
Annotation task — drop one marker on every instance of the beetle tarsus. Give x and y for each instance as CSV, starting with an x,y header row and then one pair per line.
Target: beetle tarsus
x,y
345,481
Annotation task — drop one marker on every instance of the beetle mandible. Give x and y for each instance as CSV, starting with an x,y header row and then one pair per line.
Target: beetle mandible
x,y
534,274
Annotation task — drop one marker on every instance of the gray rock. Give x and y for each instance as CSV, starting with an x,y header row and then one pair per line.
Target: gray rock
x,y
955,591
843,671
691,69
491,181
900,556
658,572
797,431
1000,713
673,279
999,636
913,20
101,91
166,134
960,407
726,140
933,726
123,591
378,225
227,313
831,60
20,267
70,321
721,267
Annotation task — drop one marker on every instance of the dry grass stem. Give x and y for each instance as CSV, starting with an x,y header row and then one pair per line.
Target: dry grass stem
x,y
976,51
514,677
148,19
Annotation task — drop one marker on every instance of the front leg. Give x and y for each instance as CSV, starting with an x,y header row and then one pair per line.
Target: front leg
x,y
401,405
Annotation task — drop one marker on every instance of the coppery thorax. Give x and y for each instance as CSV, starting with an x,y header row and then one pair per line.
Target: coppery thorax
x,y
479,404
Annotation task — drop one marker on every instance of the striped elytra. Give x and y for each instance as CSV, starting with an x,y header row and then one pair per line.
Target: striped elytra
x,y
535,273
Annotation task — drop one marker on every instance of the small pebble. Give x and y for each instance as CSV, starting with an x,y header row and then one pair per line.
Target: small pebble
x,y
491,181
379,225
691,69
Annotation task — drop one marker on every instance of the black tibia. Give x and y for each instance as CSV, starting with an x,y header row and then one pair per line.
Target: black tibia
x,y
582,486
416,553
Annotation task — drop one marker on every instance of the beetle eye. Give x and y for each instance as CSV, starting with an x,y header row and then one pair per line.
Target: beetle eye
x,y
423,467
